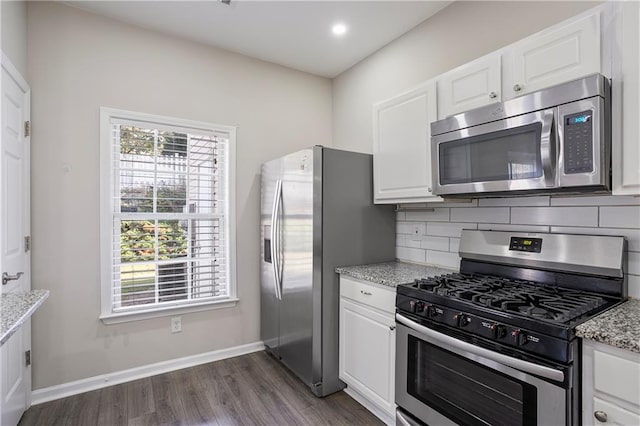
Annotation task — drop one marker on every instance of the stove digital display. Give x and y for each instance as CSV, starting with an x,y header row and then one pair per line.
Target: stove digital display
x,y
532,245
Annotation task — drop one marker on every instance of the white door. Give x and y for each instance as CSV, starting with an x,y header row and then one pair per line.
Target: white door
x,y
14,227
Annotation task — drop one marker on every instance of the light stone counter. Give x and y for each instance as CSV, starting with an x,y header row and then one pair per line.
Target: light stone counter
x,y
619,327
16,308
392,273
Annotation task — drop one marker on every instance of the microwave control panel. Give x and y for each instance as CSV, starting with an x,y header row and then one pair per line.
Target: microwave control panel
x,y
578,143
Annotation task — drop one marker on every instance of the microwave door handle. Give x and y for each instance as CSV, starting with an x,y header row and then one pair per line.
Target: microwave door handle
x,y
548,147
519,364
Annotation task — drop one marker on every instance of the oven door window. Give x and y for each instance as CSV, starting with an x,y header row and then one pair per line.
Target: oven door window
x,y
505,155
465,391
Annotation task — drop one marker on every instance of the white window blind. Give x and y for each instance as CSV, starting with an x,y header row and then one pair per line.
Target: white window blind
x,y
169,212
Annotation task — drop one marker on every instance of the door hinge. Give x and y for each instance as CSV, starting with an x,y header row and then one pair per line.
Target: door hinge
x,y
27,243
27,358
27,128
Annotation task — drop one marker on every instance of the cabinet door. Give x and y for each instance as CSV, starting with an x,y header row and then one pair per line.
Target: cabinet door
x,y
401,146
553,57
625,94
367,353
611,373
609,385
614,415
470,86
14,380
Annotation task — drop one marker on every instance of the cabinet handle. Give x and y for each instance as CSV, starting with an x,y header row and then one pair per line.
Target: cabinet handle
x,y
366,293
493,95
429,189
517,88
392,327
600,416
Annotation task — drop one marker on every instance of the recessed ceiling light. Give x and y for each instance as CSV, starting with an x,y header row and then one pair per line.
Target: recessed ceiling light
x,y
339,29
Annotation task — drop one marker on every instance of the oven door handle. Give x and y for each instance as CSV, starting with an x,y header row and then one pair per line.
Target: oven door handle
x,y
519,364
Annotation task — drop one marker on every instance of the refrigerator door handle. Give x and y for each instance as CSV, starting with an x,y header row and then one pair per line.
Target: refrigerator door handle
x,y
274,236
279,262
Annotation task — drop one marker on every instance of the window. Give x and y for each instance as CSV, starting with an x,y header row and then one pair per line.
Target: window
x,y
167,218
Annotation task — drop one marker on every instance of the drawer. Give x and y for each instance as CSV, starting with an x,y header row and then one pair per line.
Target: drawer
x,y
615,415
370,294
617,376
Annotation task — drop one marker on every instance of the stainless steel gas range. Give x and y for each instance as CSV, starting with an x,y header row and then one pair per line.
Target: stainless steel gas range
x,y
495,344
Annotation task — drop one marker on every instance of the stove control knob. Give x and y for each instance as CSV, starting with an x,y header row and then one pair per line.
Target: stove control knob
x,y
419,307
461,320
413,305
519,337
433,311
498,331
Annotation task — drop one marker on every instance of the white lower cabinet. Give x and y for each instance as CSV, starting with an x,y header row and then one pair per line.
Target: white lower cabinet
x,y
367,345
610,385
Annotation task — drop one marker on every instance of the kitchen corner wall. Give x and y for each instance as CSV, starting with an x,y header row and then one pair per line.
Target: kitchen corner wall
x,y
14,33
78,62
432,236
456,35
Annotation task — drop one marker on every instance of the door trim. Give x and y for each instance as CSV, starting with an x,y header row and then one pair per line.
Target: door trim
x,y
14,73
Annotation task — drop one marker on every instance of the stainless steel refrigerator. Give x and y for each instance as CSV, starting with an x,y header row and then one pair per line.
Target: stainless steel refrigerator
x,y
317,213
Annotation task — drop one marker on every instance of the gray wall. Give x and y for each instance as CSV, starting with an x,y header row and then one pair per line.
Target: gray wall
x,y
454,36
458,34
79,62
14,33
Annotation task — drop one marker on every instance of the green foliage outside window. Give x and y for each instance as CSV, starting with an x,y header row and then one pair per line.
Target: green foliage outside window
x,y
137,240
135,140
137,236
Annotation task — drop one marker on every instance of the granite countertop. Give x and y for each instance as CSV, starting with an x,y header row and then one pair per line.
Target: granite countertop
x,y
392,273
16,308
617,327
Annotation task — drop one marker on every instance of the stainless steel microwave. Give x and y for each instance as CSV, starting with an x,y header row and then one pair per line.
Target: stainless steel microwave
x,y
554,140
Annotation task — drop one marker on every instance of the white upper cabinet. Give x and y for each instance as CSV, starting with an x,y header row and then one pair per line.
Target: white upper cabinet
x,y
554,56
625,95
472,85
401,146
605,39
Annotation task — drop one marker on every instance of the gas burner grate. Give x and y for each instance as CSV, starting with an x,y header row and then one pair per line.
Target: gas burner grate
x,y
514,296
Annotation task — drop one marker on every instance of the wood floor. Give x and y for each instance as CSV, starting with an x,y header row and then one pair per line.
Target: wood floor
x,y
252,389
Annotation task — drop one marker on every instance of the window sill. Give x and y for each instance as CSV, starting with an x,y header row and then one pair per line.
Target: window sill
x,y
166,311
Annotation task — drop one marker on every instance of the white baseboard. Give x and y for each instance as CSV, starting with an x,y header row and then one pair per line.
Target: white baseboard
x,y
39,396
386,418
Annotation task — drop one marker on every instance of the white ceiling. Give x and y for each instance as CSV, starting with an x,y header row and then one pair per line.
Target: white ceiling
x,y
295,34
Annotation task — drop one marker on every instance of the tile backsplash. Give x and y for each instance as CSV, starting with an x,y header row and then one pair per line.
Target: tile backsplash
x,y
432,236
